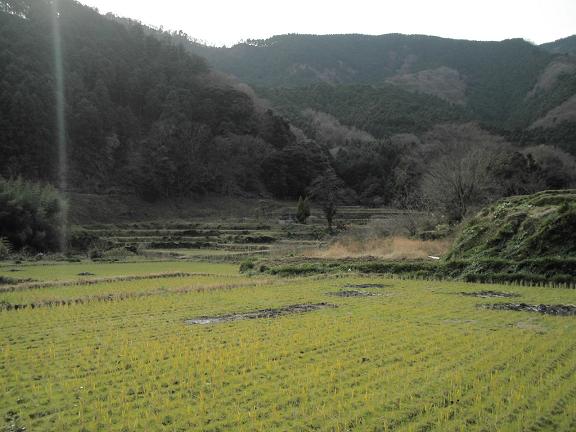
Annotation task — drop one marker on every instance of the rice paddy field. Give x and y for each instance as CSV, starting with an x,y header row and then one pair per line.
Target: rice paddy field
x,y
197,346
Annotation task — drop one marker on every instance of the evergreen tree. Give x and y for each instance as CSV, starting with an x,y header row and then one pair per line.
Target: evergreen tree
x,y
303,210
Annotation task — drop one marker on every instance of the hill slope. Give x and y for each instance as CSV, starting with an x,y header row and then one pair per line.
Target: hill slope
x,y
143,115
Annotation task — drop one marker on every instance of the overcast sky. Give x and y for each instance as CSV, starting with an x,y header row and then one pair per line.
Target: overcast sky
x,y
225,22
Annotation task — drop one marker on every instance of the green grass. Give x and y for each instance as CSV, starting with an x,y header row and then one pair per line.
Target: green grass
x,y
416,357
544,271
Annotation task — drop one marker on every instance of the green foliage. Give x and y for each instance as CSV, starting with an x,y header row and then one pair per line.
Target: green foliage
x,y
369,169
246,266
82,240
303,210
290,171
553,271
5,280
30,215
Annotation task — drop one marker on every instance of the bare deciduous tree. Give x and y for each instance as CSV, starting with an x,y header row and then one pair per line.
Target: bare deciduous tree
x,y
325,191
457,168
457,181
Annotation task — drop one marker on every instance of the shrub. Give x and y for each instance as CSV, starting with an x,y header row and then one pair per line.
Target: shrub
x,y
5,248
82,240
5,280
246,266
30,215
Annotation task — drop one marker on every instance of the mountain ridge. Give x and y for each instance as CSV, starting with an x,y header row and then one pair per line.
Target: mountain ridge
x,y
509,85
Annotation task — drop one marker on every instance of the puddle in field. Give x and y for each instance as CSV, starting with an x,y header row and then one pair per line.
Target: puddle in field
x,y
490,294
530,325
351,293
559,310
264,313
86,274
367,286
460,321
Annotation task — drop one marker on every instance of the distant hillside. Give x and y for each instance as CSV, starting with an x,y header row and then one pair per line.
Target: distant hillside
x,y
493,77
143,115
383,111
508,85
561,46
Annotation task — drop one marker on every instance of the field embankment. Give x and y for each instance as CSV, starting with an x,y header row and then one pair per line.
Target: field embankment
x,y
520,240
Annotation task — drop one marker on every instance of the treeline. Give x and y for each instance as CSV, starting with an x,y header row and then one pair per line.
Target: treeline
x,y
143,115
451,170
562,46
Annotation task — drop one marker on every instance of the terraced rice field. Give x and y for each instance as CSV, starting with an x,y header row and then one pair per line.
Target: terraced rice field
x,y
232,239
115,351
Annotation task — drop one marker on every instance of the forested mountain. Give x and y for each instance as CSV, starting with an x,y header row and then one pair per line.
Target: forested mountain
x,y
496,76
508,85
143,115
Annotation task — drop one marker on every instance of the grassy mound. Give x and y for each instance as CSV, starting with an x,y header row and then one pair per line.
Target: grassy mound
x,y
520,228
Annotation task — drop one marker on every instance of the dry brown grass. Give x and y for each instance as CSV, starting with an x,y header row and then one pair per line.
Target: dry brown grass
x,y
395,247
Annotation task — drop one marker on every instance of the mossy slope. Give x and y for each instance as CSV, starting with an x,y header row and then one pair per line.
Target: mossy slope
x,y
522,227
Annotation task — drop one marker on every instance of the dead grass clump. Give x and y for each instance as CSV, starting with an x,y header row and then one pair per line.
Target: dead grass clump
x,y
264,313
396,247
114,297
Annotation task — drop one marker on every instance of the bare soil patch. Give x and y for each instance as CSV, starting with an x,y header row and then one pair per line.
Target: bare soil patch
x,y
367,286
351,293
558,310
490,294
263,313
